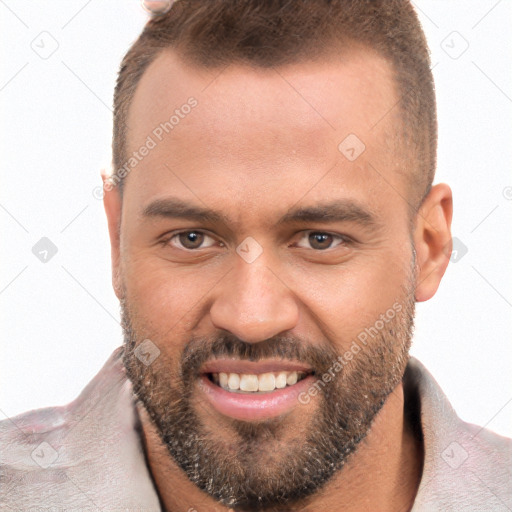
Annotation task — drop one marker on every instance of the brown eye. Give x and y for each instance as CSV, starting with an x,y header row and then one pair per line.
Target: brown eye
x,y
320,240
191,239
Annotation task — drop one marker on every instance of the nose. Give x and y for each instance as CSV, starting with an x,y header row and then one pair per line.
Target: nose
x,y
253,303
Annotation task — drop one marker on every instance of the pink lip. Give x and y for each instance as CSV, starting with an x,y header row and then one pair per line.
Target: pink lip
x,y
253,367
256,406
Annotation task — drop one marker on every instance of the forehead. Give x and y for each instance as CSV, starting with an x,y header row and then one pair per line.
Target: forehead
x,y
258,128
340,91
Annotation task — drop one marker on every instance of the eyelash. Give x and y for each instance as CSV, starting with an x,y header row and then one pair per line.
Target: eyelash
x,y
344,239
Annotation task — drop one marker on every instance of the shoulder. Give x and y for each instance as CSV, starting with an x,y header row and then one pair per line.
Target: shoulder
x,y
467,467
84,455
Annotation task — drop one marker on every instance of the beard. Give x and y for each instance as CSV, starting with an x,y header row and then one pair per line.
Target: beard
x,y
275,463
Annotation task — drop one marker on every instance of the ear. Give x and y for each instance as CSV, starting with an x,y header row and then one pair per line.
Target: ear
x,y
112,203
433,240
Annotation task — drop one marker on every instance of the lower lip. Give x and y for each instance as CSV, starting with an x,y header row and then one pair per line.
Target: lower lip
x,y
254,406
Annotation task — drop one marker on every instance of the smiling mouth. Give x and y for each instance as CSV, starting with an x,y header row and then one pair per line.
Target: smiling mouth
x,y
252,383
254,390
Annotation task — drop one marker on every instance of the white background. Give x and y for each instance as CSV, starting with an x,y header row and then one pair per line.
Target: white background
x,y
59,320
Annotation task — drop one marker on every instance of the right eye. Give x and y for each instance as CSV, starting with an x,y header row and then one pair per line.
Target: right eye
x,y
189,240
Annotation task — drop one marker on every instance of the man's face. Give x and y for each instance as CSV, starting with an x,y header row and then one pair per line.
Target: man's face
x,y
308,249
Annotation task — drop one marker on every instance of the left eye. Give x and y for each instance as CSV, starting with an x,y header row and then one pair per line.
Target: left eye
x,y
191,240
319,240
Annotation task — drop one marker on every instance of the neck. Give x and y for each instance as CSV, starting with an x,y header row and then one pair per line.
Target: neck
x,y
383,474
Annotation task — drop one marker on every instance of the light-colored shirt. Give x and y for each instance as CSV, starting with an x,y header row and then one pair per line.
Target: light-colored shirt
x,y
88,455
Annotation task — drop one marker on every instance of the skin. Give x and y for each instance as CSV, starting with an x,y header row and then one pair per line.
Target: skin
x,y
259,143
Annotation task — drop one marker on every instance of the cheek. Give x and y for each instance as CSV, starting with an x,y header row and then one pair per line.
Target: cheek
x,y
165,296
344,301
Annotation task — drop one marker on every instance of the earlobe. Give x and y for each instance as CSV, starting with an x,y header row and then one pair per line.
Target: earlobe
x,y
112,204
432,240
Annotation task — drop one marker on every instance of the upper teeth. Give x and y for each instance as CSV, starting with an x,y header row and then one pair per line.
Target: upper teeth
x,y
253,382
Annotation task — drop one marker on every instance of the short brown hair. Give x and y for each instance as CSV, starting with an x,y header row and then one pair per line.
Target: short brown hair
x,y
270,33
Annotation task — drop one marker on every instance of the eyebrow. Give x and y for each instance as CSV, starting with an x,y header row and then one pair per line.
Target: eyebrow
x,y
341,210
176,208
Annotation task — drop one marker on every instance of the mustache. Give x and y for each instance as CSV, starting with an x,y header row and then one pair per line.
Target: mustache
x,y
200,350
